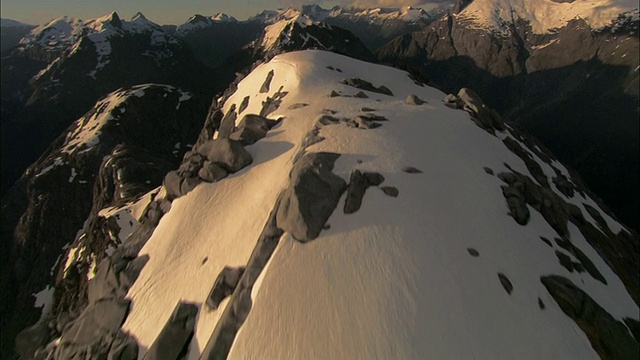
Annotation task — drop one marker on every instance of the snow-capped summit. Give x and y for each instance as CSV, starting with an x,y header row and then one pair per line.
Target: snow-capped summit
x,y
139,23
377,26
221,17
282,29
297,31
405,13
544,16
198,22
56,34
63,33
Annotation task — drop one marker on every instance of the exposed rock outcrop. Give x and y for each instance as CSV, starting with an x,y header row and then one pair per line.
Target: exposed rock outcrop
x,y
311,197
608,337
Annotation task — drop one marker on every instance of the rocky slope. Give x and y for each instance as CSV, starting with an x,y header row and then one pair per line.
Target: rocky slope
x,y
570,78
52,229
351,211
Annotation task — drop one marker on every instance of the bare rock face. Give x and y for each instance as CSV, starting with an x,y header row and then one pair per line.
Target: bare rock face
x,y
267,83
212,172
92,334
311,197
230,154
365,85
252,128
358,184
224,285
516,202
609,338
173,341
414,100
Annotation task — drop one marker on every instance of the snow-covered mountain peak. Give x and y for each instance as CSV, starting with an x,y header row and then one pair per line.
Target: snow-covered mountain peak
x,y
283,31
138,15
54,34
405,13
63,33
544,15
450,220
221,17
199,21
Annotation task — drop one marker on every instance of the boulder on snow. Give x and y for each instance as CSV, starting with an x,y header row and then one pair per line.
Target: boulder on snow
x,y
244,104
172,184
212,172
297,106
252,128
390,191
411,170
224,285
191,164
174,338
271,104
488,118
361,122
267,82
414,100
506,283
312,195
355,192
452,101
360,95
228,123
365,85
328,120
230,154
189,184
516,202
358,184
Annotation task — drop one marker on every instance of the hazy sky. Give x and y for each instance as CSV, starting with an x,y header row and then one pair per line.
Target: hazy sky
x,y
161,11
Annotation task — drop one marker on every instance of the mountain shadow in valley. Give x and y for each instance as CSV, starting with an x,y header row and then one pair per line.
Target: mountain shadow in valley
x,y
586,113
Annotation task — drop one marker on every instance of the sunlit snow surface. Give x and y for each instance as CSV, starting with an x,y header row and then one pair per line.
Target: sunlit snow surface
x,y
392,281
545,15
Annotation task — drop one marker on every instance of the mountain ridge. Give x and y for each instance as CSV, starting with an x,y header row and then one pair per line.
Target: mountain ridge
x,y
376,145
